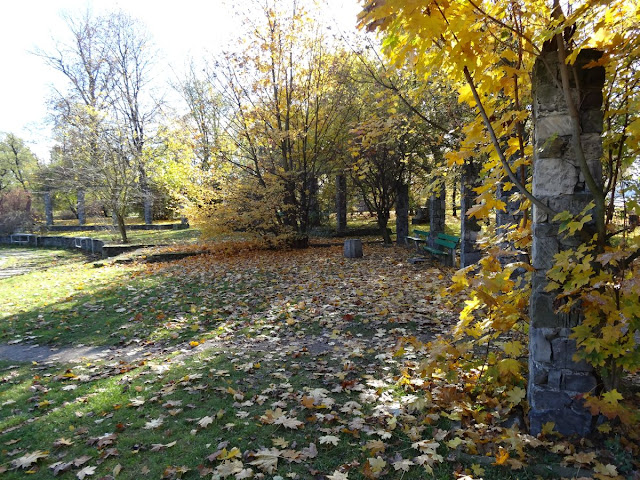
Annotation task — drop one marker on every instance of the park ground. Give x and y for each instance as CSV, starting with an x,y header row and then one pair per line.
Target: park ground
x,y
250,364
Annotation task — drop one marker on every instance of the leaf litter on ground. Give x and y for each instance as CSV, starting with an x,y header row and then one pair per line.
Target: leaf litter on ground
x,y
283,364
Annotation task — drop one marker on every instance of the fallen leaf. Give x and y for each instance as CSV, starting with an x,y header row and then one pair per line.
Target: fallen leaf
x,y
329,439
85,472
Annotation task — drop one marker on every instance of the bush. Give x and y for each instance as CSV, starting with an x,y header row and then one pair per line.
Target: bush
x,y
15,211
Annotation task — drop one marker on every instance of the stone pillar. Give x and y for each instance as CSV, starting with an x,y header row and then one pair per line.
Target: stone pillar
x,y
80,207
48,209
556,382
470,253
148,205
341,203
402,214
437,205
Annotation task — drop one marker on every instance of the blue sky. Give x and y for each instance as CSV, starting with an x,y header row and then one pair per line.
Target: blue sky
x,y
179,29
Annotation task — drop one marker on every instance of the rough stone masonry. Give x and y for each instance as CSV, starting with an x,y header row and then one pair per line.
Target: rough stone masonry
x,y
555,379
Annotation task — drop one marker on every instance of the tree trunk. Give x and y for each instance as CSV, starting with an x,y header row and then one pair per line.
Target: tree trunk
x,y
122,228
314,203
402,214
454,200
341,203
80,207
383,221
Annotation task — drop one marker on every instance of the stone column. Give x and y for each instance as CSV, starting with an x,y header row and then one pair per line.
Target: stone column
x,y
402,214
556,381
470,253
437,205
48,208
148,205
80,207
341,203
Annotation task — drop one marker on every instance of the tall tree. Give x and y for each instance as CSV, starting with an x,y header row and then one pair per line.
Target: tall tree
x,y
286,110
17,163
205,112
107,65
132,54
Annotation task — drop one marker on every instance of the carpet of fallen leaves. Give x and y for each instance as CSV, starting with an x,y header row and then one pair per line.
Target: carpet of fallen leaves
x,y
292,370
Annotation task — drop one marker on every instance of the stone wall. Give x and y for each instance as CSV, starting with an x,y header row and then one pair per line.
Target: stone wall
x,y
86,244
556,382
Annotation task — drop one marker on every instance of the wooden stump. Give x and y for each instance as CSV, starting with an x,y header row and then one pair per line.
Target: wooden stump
x,y
353,248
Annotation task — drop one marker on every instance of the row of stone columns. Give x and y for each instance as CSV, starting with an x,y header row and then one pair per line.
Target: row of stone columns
x,y
81,212
48,208
556,381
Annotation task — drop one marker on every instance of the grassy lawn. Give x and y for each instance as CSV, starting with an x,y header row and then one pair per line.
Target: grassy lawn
x,y
266,365
166,237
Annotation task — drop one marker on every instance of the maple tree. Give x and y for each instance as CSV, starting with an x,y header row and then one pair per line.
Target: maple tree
x,y
285,117
384,149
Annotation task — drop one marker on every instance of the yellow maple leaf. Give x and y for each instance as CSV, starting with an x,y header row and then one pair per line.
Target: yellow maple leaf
x,y
606,470
516,395
477,469
454,443
612,397
234,452
509,366
547,428
501,457
377,464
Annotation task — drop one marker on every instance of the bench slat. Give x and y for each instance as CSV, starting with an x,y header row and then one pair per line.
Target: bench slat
x,y
446,243
451,238
435,251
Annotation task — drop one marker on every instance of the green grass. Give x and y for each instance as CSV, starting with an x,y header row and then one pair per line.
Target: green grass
x,y
189,235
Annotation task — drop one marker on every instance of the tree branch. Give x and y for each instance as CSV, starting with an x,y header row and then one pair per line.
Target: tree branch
x,y
494,139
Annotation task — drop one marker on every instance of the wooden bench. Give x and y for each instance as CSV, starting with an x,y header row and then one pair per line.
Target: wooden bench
x,y
445,248
418,237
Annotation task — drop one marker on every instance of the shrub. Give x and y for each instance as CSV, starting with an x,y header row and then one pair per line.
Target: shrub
x,y
15,211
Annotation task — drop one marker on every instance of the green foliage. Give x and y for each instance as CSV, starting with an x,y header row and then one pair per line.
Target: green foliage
x,y
15,211
604,287
17,164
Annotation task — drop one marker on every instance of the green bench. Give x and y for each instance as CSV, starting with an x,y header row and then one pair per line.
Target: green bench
x,y
445,248
419,237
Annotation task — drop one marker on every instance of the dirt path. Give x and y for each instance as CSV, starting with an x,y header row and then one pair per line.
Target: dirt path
x,y
22,352
15,262
26,352
18,261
